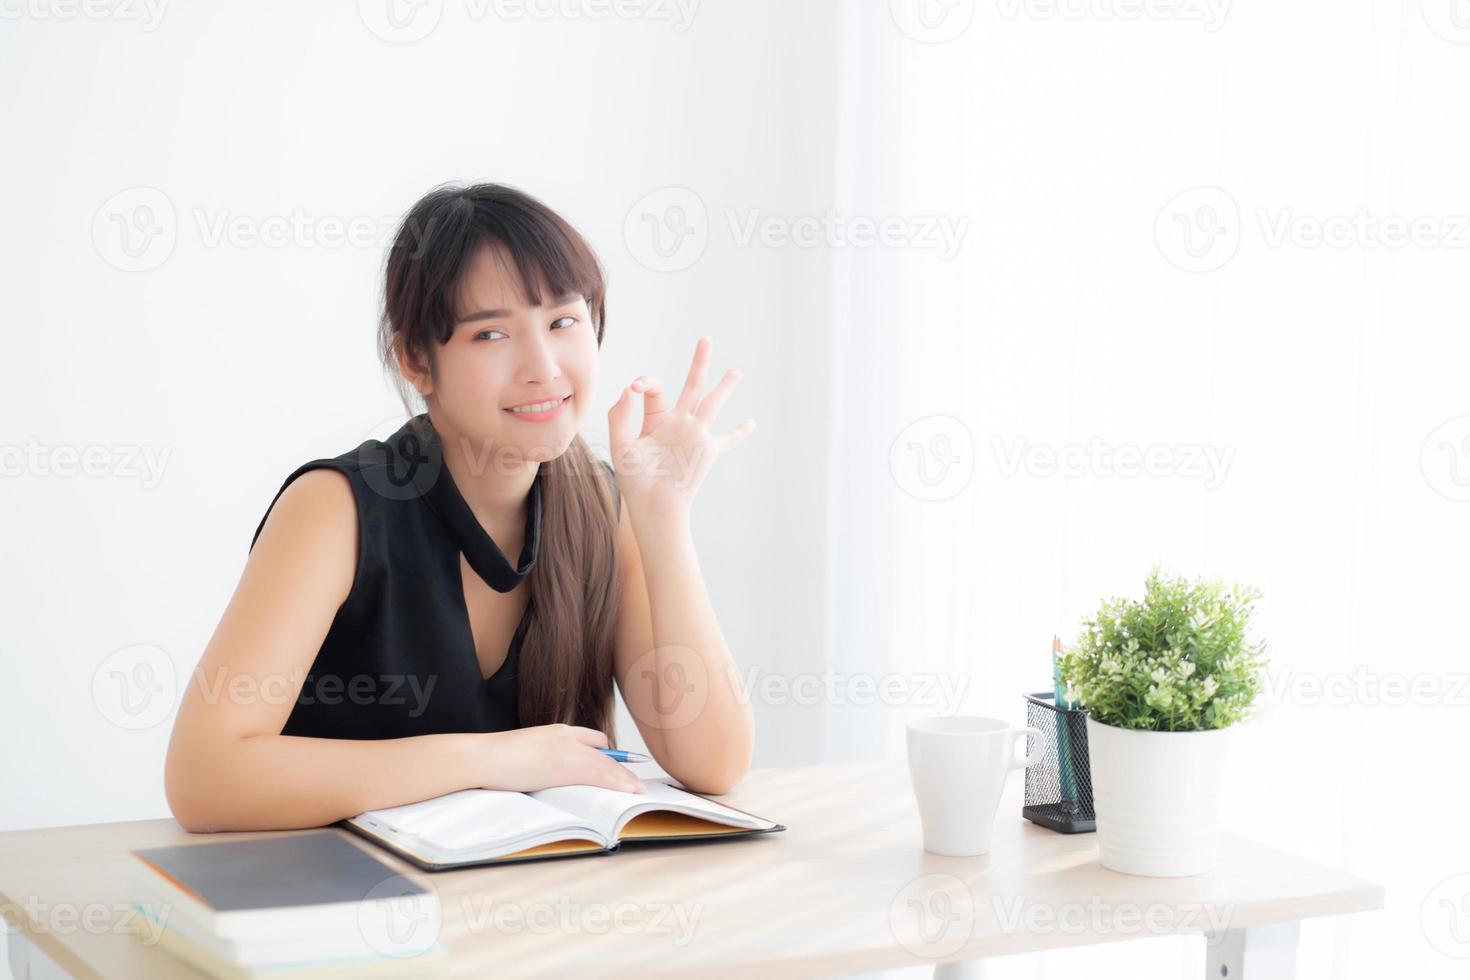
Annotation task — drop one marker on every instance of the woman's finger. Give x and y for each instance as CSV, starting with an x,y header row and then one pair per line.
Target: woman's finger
x,y
715,400
735,436
621,426
615,775
689,397
590,736
654,406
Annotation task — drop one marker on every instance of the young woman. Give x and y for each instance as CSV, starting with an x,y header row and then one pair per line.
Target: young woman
x,y
380,647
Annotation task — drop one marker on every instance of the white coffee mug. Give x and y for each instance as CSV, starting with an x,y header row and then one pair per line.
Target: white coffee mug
x,y
958,766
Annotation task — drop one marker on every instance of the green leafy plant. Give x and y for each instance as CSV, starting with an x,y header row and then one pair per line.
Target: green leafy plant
x,y
1178,661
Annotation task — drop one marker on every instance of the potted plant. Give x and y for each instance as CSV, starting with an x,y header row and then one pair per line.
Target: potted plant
x,y
1164,680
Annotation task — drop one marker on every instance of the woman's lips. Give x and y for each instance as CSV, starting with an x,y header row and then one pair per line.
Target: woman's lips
x,y
545,416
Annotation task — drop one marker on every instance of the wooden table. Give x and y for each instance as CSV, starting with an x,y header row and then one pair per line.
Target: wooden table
x,y
847,888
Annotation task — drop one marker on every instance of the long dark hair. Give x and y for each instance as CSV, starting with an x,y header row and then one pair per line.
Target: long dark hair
x,y
566,658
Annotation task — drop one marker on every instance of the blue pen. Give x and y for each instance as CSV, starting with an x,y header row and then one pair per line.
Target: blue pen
x,y
623,755
1065,769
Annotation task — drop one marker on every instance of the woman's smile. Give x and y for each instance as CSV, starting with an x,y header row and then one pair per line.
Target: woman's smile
x,y
542,411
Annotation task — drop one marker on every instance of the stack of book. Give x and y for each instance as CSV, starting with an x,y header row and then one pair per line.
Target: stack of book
x,y
313,904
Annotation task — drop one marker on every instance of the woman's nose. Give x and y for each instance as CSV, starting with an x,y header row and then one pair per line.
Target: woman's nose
x,y
537,363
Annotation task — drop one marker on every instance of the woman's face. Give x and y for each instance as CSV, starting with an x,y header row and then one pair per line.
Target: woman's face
x,y
514,382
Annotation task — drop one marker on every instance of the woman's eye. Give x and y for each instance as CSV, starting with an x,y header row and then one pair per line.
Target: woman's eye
x,y
565,318
482,334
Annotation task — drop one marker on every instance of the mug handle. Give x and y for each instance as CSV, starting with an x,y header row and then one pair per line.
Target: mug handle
x,y
1035,756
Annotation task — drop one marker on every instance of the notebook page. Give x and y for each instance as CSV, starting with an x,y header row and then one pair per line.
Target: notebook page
x,y
475,818
608,809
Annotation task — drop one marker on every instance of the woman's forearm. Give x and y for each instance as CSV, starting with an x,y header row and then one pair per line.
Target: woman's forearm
x,y
282,782
711,751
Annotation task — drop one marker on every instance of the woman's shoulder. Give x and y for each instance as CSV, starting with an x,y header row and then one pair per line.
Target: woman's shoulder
x,y
322,491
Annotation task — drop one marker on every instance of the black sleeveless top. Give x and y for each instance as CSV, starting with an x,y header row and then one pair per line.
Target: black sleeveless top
x,y
399,658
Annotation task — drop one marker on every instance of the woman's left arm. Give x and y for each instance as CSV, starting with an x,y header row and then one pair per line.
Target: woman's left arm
x,y
672,664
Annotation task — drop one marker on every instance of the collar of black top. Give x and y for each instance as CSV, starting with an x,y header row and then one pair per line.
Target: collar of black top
x,y
415,468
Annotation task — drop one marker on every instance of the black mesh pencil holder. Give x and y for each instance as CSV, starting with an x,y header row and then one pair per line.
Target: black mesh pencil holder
x,y
1059,787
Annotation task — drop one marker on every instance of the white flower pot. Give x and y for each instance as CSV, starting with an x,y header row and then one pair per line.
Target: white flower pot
x,y
1157,798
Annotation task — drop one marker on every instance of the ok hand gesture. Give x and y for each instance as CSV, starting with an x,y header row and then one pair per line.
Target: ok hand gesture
x,y
661,463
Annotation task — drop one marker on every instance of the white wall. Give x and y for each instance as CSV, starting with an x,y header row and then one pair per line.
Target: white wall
x,y
1333,375
1326,373
233,363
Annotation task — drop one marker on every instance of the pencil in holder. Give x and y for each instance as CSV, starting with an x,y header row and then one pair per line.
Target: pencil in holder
x,y
1059,787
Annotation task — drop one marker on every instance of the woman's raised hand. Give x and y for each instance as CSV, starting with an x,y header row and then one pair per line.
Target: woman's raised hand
x,y
661,463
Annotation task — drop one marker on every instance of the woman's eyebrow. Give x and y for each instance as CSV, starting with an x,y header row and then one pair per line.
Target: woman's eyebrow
x,y
484,315
566,299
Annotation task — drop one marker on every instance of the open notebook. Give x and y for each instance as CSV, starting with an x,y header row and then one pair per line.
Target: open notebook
x,y
489,826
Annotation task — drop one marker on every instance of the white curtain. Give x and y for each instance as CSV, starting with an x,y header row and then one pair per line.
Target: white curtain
x,y
1208,311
